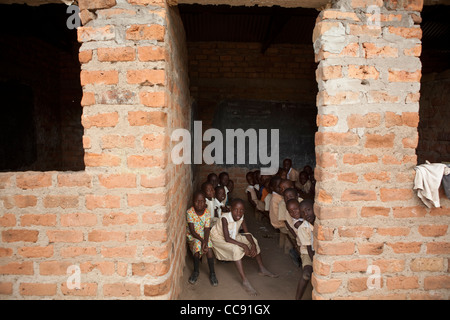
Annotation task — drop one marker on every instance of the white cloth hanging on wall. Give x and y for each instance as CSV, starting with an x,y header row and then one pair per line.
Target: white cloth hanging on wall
x,y
427,182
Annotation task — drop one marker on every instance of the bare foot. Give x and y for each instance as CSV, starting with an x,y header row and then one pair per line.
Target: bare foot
x,y
249,289
267,273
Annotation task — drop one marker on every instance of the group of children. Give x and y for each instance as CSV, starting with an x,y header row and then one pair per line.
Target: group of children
x,y
216,227
287,200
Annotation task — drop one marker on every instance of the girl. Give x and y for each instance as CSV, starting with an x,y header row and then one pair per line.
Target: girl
x,y
230,245
198,229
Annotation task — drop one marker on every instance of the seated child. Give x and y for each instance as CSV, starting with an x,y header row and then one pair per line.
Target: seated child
x,y
230,187
230,245
213,179
275,201
292,174
198,231
211,202
224,178
305,234
251,193
258,184
276,220
220,201
304,186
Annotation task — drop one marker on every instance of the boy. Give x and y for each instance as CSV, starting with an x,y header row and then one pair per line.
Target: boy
x,y
220,201
304,186
275,218
213,179
275,201
251,193
292,174
305,234
223,181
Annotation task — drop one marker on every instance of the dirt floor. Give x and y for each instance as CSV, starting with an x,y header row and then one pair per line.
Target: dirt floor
x,y
230,288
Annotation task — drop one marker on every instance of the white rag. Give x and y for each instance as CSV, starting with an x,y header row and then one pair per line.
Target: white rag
x,y
427,182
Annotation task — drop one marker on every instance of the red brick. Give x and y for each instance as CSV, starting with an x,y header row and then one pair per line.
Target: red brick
x,y
380,141
78,220
320,268
427,264
357,159
105,267
85,56
146,199
326,120
25,201
48,268
6,288
390,265
33,181
102,120
5,252
370,120
61,201
143,118
370,248
405,247
326,159
393,283
348,177
70,252
105,236
36,252
149,235
387,195
19,268
85,289
375,211
393,231
354,265
325,285
404,76
108,201
355,232
65,236
119,252
357,284
151,53
157,289
118,218
338,139
74,180
121,290
153,99
96,4
101,160
116,54
99,77
407,33
359,195
116,141
409,212
145,32
20,235
120,180
146,161
86,34
146,77
335,248
436,282
438,248
324,213
155,269
8,220
373,51
380,176
37,289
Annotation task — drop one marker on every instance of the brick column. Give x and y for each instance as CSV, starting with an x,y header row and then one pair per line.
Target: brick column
x,y
135,88
367,212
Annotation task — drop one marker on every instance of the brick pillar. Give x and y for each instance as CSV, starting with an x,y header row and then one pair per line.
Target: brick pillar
x,y
367,212
135,93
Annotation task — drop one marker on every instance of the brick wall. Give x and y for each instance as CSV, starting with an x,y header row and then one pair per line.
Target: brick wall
x,y
368,214
434,133
121,221
236,70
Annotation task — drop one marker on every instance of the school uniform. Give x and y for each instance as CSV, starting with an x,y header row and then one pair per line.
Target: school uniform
x,y
260,205
305,235
293,175
306,188
283,215
212,205
227,251
273,210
